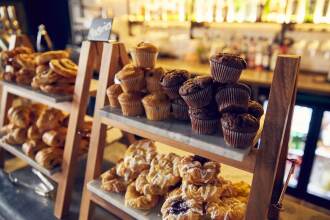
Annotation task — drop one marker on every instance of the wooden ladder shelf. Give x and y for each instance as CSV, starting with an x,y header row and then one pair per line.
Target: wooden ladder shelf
x,y
76,105
266,163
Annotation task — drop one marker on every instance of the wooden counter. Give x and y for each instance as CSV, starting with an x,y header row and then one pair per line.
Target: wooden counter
x,y
310,83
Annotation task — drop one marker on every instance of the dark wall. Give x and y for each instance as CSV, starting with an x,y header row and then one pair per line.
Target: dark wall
x,y
52,13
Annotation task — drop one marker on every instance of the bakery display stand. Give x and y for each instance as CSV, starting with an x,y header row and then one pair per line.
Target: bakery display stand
x,y
76,105
266,162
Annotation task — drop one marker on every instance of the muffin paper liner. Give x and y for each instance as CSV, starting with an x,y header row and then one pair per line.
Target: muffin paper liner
x,y
180,112
204,126
135,84
232,96
131,108
144,59
224,74
238,139
114,103
172,92
153,85
158,113
199,99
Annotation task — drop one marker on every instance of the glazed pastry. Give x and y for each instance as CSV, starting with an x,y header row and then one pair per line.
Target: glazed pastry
x,y
113,183
172,81
198,170
46,77
131,78
137,200
55,138
203,193
49,119
50,157
153,77
64,67
33,133
179,208
31,147
227,209
46,57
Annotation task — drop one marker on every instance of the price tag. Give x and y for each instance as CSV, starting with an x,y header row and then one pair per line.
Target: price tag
x,y
100,29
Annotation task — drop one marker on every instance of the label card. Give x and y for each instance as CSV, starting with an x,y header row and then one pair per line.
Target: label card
x,y
100,29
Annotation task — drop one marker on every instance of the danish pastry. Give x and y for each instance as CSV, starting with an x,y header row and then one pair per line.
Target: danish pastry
x,y
33,133
55,138
64,67
31,147
44,58
203,193
46,77
113,183
49,119
137,200
198,170
58,88
179,208
227,209
50,157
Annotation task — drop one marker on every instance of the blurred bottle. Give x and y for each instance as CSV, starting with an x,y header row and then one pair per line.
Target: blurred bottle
x,y
251,54
44,42
259,54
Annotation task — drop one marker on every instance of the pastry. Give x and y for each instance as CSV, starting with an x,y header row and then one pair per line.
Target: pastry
x,y
6,129
239,130
46,57
179,208
26,61
227,209
42,68
49,119
144,55
131,78
131,104
172,81
198,170
157,106
19,116
31,147
180,109
113,92
113,183
24,76
16,136
64,89
204,193
255,109
233,98
204,120
55,138
64,67
226,68
137,200
46,77
50,157
153,77
33,133
197,92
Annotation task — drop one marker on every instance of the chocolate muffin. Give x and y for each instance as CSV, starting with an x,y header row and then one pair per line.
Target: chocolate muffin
x,y
180,109
145,55
197,92
157,106
153,77
131,103
255,109
226,68
233,98
172,81
204,120
113,92
239,130
131,78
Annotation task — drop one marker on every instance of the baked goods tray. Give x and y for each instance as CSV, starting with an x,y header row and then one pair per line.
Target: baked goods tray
x,y
174,132
118,201
16,150
39,94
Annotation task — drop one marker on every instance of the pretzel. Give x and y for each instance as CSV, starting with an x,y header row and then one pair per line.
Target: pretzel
x,y
44,58
64,67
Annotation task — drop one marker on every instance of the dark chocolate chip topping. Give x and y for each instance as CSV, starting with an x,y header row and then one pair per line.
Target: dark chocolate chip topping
x,y
240,122
174,78
230,60
195,85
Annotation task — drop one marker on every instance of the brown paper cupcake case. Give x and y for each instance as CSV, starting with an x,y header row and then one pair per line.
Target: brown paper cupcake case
x,y
114,103
135,84
153,85
199,99
204,126
238,139
131,108
158,113
232,96
172,92
224,74
180,112
144,59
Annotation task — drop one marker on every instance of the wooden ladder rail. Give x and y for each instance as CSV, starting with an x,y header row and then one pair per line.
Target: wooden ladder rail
x,y
274,140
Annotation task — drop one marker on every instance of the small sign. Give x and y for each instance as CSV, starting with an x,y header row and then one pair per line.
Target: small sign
x,y
100,29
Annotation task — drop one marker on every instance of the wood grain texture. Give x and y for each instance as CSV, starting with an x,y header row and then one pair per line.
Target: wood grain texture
x,y
279,110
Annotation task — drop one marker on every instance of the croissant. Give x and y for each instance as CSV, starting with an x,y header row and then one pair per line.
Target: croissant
x,y
33,133
50,157
6,129
19,116
31,147
49,119
17,136
55,138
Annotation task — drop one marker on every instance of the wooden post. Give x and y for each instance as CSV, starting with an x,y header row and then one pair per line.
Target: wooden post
x,y
114,57
282,95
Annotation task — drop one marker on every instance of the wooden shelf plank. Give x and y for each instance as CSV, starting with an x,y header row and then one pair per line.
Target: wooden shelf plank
x,y
16,150
118,201
177,131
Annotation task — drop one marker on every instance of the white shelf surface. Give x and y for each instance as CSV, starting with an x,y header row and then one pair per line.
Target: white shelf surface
x,y
180,132
118,201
